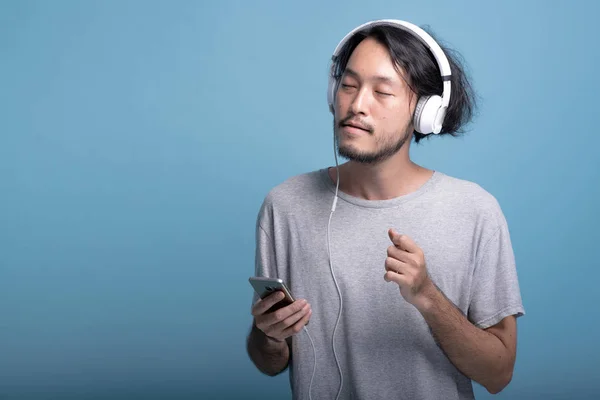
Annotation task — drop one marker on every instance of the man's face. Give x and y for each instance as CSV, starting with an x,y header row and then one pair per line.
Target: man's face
x,y
373,109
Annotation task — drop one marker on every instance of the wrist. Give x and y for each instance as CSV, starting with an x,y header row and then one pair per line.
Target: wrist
x,y
272,339
425,300
266,339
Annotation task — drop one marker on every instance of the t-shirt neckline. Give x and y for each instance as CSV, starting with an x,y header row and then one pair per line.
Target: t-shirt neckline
x,y
393,202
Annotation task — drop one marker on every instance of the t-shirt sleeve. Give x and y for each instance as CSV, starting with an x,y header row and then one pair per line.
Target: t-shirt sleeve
x,y
495,292
264,263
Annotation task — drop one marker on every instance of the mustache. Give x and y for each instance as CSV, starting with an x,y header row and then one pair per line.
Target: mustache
x,y
351,120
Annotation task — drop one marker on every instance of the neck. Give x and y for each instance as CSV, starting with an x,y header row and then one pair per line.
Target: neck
x,y
394,177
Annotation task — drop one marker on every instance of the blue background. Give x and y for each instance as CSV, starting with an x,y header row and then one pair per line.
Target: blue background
x,y
138,140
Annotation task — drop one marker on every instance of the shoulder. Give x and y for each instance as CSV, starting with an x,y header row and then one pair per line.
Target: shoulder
x,y
470,197
293,191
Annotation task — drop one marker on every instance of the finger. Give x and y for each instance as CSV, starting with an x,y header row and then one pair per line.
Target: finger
x,y
403,242
396,238
393,265
297,327
399,254
263,305
400,279
292,319
283,313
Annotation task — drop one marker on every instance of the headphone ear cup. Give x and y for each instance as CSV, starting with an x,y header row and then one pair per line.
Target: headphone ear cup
x,y
331,89
425,113
418,111
331,94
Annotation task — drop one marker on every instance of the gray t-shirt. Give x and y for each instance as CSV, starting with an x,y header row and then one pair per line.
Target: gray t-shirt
x,y
384,346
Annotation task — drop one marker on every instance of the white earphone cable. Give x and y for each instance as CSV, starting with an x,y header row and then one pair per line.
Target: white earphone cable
x,y
337,186
337,169
314,362
336,285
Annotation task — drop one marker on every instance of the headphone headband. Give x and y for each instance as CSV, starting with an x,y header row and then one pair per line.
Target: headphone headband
x,y
438,53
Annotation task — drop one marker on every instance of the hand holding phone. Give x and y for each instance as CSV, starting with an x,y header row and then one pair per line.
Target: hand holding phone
x,y
277,314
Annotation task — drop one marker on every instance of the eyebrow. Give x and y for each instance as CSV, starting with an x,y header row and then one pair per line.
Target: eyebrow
x,y
380,78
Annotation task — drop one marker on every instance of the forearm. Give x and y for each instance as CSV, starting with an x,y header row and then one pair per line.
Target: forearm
x,y
478,354
270,356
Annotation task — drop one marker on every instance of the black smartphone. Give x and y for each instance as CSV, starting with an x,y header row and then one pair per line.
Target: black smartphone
x,y
266,286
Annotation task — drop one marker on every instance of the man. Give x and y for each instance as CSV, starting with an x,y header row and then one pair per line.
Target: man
x,y
411,287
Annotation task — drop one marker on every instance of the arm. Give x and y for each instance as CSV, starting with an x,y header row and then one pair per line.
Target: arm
x,y
270,356
486,356
269,340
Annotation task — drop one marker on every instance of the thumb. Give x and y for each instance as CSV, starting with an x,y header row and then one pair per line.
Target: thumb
x,y
393,235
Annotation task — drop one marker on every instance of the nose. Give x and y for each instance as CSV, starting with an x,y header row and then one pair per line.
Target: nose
x,y
359,103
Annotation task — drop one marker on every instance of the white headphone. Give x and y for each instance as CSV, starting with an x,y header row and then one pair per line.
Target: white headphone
x,y
430,110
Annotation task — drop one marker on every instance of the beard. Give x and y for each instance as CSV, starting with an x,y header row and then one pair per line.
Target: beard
x,y
386,148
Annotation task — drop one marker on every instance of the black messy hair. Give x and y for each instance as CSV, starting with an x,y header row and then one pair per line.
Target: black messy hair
x,y
415,62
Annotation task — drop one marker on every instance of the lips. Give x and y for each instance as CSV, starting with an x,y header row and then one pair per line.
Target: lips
x,y
357,126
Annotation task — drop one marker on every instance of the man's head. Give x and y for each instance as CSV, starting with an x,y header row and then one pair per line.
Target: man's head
x,y
382,71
